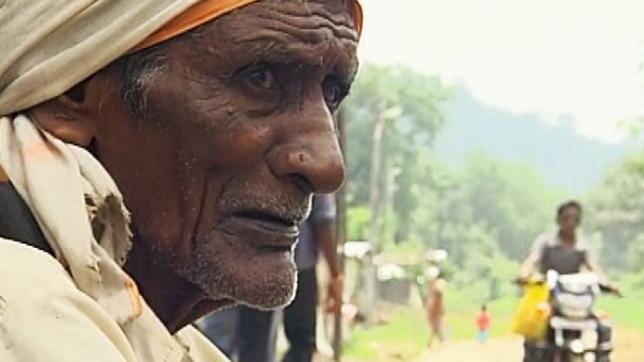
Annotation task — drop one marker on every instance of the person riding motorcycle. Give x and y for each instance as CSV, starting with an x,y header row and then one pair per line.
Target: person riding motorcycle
x,y
563,250
565,253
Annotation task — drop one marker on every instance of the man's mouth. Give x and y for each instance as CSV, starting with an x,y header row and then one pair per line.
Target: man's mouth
x,y
270,222
265,229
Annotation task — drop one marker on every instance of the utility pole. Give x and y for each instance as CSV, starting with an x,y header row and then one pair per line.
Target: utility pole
x,y
374,206
374,181
376,173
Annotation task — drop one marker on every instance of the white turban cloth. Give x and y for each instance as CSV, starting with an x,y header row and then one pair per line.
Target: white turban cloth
x,y
48,46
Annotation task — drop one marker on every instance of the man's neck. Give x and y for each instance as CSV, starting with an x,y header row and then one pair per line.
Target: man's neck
x,y
176,302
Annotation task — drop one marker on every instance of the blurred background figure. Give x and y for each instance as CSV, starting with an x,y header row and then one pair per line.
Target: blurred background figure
x,y
243,333
434,305
317,234
483,321
221,328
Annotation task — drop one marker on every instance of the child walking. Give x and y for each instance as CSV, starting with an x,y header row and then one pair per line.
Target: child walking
x,y
483,323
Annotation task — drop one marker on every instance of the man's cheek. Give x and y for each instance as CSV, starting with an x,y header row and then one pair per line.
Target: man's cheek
x,y
209,204
224,147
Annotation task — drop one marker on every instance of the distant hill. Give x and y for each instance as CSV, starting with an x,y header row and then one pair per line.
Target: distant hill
x,y
567,159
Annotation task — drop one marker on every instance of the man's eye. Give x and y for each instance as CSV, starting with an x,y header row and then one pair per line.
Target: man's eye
x,y
262,77
334,92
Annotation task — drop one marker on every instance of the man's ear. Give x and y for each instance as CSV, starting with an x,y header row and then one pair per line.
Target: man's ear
x,y
70,117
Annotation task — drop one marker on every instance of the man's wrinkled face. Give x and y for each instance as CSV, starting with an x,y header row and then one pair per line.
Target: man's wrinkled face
x,y
234,133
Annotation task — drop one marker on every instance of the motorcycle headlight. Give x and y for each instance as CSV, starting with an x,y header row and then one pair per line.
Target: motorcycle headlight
x,y
577,346
574,306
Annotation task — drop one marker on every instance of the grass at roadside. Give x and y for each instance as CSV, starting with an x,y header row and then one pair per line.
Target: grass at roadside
x,y
403,335
628,311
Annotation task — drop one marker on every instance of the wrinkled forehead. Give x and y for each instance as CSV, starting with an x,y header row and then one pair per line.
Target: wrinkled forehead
x,y
306,7
286,27
320,34
307,20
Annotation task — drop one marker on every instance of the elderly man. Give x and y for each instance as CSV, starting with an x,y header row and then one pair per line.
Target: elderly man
x,y
211,120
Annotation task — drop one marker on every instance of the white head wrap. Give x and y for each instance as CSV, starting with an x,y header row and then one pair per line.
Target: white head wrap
x,y
48,46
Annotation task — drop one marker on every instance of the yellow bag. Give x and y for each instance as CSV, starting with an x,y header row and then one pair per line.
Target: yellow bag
x,y
531,319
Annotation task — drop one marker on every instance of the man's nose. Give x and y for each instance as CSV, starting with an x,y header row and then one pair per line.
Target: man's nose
x,y
311,158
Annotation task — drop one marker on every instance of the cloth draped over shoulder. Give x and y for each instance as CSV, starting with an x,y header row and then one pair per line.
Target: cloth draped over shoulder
x,y
81,306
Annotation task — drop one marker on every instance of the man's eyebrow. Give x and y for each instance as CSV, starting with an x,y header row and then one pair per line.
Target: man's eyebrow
x,y
276,48
306,28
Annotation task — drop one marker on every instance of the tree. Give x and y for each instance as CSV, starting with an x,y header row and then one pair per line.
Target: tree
x,y
393,114
615,210
485,213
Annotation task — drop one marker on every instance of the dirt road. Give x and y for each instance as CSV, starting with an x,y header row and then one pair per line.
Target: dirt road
x,y
629,348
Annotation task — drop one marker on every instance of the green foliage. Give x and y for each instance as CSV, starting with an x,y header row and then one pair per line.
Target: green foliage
x,y
512,200
486,216
615,210
358,222
487,204
627,311
485,212
635,253
411,102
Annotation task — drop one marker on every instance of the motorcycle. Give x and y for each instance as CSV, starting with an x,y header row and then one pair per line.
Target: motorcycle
x,y
575,333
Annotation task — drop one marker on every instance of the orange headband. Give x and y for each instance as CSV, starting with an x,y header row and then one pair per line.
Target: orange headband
x,y
205,11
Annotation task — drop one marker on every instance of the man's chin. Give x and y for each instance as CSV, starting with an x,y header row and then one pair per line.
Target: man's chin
x,y
270,299
272,287
264,281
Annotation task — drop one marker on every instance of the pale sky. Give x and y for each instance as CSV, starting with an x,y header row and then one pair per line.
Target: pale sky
x,y
579,58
